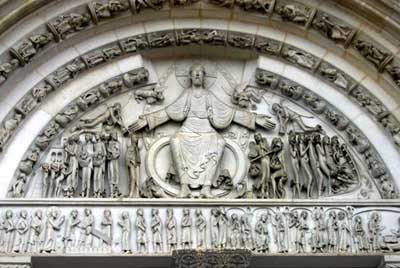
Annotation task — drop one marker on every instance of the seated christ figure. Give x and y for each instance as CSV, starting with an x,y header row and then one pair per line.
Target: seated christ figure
x,y
197,147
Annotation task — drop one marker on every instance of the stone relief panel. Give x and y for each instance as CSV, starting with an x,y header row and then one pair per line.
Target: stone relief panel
x,y
143,230
209,137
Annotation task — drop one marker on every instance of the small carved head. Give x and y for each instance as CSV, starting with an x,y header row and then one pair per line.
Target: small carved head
x,y
139,212
197,73
276,107
39,214
125,215
88,211
9,214
170,212
74,214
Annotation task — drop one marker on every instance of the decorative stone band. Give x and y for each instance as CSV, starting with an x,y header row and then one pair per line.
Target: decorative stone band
x,y
212,37
131,80
303,16
212,258
137,227
13,265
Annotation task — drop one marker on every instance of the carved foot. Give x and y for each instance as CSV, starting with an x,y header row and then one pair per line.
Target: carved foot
x,y
206,192
185,191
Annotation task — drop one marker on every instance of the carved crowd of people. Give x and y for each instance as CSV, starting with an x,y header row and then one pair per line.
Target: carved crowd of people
x,y
296,230
83,166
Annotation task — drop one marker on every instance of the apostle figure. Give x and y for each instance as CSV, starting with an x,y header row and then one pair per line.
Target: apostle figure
x,y
35,233
156,228
197,147
125,225
53,227
172,234
186,226
141,231
201,226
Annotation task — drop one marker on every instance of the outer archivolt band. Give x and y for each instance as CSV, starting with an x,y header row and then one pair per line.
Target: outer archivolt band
x,y
205,37
65,26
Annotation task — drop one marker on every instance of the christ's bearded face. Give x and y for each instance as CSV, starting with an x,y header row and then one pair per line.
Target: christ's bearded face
x,y
197,76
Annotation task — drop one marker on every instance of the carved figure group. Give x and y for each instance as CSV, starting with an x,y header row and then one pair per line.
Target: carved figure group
x,y
267,166
324,163
298,230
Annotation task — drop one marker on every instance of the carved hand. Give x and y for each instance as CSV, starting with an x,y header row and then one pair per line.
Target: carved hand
x,y
138,125
263,121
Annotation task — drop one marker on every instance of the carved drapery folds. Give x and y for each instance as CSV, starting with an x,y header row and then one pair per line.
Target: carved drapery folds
x,y
138,43
299,159
232,233
61,165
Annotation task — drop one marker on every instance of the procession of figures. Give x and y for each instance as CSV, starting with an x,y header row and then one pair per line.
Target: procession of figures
x,y
153,230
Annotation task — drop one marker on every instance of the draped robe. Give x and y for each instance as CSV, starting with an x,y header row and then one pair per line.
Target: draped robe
x,y
196,147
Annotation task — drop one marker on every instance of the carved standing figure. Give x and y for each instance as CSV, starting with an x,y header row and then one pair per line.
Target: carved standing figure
x,y
322,164
360,235
86,166
71,227
261,155
53,226
133,162
214,227
235,231
9,227
262,238
186,228
314,163
107,228
201,227
22,228
295,162
197,147
99,160
375,230
333,231
318,236
87,225
35,233
304,147
278,169
141,228
247,232
156,228
300,223
280,233
125,225
71,150
222,229
172,232
344,233
113,154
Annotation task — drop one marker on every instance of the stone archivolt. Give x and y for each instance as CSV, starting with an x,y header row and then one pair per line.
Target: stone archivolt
x,y
67,25
218,146
136,44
